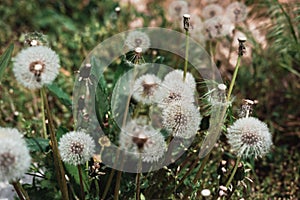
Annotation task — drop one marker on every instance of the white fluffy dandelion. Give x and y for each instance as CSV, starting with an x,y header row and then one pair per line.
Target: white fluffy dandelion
x,y
137,39
249,137
36,66
177,9
182,120
236,12
217,27
176,76
172,93
145,88
14,155
76,147
212,10
144,140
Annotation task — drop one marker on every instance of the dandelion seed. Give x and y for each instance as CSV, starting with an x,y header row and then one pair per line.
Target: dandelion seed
x,y
145,88
217,27
182,120
249,137
14,155
177,9
76,147
236,12
137,39
212,10
142,139
36,66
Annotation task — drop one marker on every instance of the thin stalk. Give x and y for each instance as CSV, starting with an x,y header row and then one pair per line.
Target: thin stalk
x,y
188,172
212,60
22,194
56,156
233,77
187,44
81,182
138,178
118,183
44,134
233,171
111,175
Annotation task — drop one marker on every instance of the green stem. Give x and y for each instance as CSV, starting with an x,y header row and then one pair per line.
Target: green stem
x,y
234,77
56,156
138,178
111,175
233,171
118,183
22,194
187,44
212,60
44,134
81,182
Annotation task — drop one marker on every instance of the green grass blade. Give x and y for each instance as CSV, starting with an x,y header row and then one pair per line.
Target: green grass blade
x,y
5,58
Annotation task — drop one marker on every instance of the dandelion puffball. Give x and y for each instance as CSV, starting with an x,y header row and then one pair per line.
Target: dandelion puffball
x,y
182,120
14,155
76,147
36,66
249,137
137,39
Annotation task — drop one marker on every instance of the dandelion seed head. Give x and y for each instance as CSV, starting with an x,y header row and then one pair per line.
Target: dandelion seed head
x,y
14,155
212,10
142,139
236,12
177,76
177,9
182,120
137,40
36,66
145,88
76,147
217,27
249,137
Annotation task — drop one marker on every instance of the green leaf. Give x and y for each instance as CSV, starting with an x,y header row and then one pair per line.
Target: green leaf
x,y
5,58
60,94
37,144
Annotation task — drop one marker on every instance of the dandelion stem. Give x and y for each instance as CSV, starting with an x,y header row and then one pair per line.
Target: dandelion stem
x,y
234,77
118,183
187,44
44,134
111,175
22,194
56,156
81,182
138,178
233,171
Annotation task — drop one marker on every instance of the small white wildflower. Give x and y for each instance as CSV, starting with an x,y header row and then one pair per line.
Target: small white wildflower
x,y
76,147
217,27
142,139
177,76
177,9
182,120
205,192
212,10
236,12
36,66
137,39
14,155
249,137
35,39
145,88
